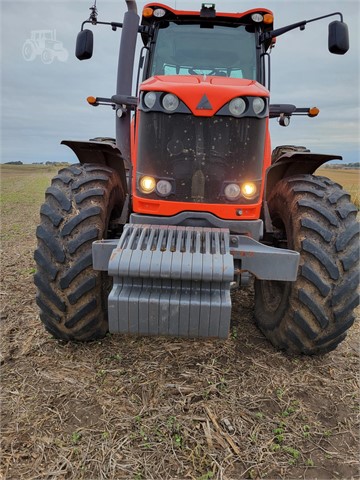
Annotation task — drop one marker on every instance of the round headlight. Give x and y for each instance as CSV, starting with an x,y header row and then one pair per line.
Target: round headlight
x,y
150,99
147,184
257,17
163,188
249,190
237,106
170,102
232,191
258,105
159,12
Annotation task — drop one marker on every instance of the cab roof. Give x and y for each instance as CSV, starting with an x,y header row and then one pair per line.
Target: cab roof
x,y
184,15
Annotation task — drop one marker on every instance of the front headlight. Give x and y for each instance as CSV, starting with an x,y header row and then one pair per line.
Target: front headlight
x,y
150,99
232,191
237,106
258,105
147,184
248,190
170,102
163,188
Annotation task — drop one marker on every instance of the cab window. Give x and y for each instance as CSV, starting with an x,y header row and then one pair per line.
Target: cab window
x,y
189,49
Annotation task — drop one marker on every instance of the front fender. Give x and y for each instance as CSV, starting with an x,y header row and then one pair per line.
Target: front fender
x,y
294,163
103,153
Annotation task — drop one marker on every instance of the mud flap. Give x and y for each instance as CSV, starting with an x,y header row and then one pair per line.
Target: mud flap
x,y
171,280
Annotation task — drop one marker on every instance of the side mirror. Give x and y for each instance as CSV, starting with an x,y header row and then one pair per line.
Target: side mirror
x,y
84,45
338,37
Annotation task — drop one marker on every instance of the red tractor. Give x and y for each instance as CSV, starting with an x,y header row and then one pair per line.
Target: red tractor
x,y
148,234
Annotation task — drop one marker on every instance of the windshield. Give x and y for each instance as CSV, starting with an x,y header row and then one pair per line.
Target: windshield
x,y
189,49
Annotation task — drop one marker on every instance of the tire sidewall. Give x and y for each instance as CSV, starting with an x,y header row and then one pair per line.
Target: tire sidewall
x,y
78,209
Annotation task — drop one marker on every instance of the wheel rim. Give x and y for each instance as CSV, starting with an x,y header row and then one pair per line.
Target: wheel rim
x,y
273,294
27,52
47,56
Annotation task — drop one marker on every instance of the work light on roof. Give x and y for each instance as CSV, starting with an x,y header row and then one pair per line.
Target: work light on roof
x,y
257,17
208,10
159,12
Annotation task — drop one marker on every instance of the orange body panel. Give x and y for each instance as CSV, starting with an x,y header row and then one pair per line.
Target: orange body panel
x,y
167,208
219,91
183,13
191,89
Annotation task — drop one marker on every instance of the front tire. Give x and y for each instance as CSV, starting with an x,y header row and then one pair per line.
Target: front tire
x,y
47,56
78,209
315,217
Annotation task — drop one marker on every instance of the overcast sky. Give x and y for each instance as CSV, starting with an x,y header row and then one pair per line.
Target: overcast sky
x,y
43,103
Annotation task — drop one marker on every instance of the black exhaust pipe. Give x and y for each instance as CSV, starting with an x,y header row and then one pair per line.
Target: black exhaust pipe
x,y
125,76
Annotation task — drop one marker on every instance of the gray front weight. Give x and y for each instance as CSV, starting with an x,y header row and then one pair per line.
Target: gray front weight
x,y
171,280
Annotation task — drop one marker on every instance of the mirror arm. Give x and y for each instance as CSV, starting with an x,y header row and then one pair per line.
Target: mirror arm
x,y
326,16
280,31
114,25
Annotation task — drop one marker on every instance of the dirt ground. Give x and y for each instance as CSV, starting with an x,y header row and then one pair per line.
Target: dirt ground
x,y
155,408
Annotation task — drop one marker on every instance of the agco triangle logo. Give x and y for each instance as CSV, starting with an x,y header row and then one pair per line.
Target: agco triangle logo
x,y
204,104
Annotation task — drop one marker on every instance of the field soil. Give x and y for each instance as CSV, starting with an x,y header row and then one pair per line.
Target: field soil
x,y
157,408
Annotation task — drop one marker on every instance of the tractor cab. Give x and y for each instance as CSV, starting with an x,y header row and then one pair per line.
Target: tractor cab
x,y
201,129
204,42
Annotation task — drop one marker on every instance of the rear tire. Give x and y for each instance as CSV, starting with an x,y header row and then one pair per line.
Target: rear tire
x,y
78,208
315,217
284,149
28,51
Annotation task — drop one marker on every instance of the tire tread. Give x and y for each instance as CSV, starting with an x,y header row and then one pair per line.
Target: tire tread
x,y
318,310
71,296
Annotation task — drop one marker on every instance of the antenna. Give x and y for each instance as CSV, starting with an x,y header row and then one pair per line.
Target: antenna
x,y
93,14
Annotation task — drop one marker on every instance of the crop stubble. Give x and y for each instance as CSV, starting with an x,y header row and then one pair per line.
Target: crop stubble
x,y
155,408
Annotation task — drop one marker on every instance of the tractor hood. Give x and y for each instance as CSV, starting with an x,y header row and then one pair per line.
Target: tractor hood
x,y
204,95
199,143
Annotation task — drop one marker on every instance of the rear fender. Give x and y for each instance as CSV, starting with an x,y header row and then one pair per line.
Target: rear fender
x,y
103,153
294,163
